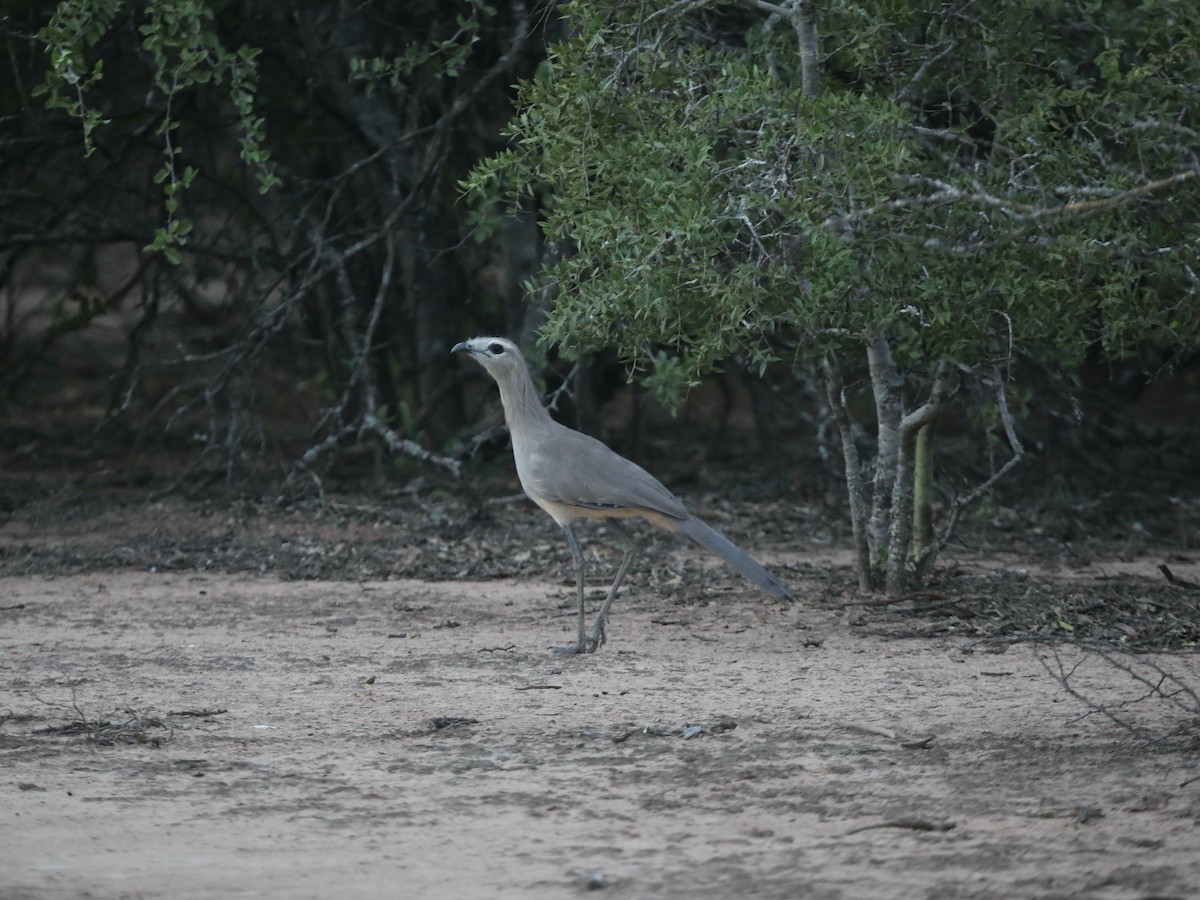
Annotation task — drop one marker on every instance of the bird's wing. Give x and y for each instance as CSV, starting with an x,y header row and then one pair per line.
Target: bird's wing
x,y
576,469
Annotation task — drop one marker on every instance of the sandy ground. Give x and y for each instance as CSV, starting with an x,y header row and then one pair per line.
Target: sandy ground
x,y
207,735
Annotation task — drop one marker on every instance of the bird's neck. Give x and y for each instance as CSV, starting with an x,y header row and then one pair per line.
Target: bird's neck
x,y
521,401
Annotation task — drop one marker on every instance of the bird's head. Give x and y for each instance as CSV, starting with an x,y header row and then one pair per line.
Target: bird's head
x,y
498,355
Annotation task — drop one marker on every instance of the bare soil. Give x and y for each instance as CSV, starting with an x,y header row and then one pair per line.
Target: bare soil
x,y
351,695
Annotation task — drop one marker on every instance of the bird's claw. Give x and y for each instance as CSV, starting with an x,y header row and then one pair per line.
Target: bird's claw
x,y
599,638
571,649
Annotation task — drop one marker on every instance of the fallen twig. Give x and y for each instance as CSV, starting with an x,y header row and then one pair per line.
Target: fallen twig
x,y
910,824
1178,582
650,730
440,723
872,729
198,713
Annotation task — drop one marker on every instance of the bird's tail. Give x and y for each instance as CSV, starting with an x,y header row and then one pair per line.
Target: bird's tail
x,y
715,542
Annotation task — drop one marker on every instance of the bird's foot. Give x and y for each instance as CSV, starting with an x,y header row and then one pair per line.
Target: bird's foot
x,y
599,638
572,649
591,646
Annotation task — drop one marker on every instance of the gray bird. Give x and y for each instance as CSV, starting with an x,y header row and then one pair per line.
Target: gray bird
x,y
573,476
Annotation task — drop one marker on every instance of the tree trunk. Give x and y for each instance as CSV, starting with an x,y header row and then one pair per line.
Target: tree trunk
x,y
888,388
804,20
903,490
836,392
900,535
923,537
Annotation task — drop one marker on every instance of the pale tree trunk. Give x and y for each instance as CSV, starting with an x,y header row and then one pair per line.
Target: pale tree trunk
x,y
902,505
883,526
804,20
888,387
895,542
836,392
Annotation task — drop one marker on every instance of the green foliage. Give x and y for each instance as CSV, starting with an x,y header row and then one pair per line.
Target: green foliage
x,y
446,56
669,380
180,38
76,27
973,179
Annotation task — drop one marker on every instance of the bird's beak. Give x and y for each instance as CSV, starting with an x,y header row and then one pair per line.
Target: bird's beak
x,y
461,345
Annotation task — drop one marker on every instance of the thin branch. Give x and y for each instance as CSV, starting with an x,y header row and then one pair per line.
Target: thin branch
x,y
773,8
928,410
961,504
463,101
1028,212
946,193
407,447
676,10
1157,684
905,93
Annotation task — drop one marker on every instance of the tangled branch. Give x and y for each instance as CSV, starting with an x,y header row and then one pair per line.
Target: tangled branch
x,y
1152,682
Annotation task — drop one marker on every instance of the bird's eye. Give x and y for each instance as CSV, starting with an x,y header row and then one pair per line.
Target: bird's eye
x,y
496,349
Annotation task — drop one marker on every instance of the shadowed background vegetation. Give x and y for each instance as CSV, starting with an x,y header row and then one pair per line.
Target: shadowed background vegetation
x,y
248,233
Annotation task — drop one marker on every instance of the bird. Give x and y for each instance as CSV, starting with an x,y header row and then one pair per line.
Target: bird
x,y
573,476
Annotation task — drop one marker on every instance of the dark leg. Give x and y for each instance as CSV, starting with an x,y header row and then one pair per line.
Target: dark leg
x,y
598,629
577,564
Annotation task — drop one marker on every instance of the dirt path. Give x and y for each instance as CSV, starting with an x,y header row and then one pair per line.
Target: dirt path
x,y
410,739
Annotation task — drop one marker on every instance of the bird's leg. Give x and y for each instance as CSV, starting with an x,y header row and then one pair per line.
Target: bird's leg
x,y
598,629
577,564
